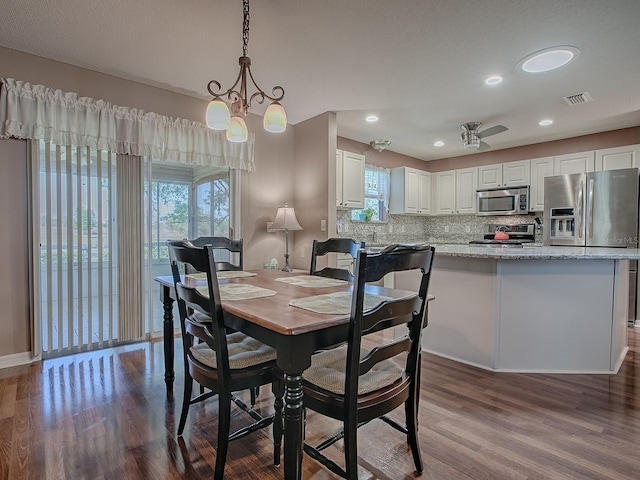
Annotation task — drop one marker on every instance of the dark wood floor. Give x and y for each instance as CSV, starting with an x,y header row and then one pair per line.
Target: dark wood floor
x,y
105,415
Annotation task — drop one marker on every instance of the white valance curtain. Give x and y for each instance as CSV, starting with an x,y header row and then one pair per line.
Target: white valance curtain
x,y
63,118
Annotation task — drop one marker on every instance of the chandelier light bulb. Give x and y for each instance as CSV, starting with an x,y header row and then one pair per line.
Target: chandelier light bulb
x,y
237,131
275,118
218,116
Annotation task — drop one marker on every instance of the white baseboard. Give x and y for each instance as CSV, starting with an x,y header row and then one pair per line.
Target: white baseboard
x,y
16,359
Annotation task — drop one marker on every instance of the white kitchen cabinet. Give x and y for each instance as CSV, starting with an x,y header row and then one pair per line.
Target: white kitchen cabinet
x,y
516,173
349,180
345,261
490,176
466,185
574,163
504,174
618,157
445,192
539,168
410,191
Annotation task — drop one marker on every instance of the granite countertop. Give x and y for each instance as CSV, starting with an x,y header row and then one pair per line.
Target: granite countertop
x,y
539,252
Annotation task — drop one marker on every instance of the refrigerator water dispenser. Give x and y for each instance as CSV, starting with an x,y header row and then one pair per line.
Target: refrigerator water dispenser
x,y
562,224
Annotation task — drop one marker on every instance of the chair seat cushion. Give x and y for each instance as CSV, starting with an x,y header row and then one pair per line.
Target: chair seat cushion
x,y
327,371
244,351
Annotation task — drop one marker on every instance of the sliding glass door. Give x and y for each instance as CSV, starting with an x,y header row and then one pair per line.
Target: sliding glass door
x,y
78,227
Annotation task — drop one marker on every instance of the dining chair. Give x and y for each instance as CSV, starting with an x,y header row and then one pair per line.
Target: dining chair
x,y
334,245
355,383
223,362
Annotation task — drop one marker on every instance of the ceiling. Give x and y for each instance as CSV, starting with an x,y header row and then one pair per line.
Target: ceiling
x,y
419,65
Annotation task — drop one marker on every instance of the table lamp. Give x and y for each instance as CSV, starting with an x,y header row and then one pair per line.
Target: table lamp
x,y
286,220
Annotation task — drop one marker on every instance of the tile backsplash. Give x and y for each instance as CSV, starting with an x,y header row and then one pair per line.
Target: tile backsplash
x,y
431,229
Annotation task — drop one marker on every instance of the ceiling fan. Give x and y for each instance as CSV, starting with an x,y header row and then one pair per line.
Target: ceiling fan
x,y
472,138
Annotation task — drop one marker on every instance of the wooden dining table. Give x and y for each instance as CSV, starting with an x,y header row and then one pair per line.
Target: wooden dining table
x,y
294,333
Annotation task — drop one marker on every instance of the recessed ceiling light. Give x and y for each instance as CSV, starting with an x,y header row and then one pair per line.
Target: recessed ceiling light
x,y
544,123
439,143
494,80
548,59
371,118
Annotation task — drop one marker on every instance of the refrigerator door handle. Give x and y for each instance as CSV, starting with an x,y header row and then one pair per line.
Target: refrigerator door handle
x,y
580,203
590,209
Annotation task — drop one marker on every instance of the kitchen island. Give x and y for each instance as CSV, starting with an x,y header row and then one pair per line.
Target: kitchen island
x,y
531,309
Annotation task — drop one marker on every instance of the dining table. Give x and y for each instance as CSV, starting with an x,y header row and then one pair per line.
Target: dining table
x,y
295,333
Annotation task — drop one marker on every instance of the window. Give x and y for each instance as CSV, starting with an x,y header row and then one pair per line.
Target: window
x,y
376,196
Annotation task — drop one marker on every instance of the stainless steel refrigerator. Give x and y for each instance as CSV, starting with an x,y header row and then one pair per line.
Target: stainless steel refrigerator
x,y
596,209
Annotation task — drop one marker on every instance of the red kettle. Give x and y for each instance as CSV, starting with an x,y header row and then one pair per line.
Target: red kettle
x,y
501,235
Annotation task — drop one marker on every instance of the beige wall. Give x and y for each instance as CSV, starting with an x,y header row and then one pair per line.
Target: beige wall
x,y
262,191
314,152
14,248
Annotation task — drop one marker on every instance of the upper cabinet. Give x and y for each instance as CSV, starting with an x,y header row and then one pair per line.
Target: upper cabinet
x,y
410,191
618,157
574,163
445,192
349,180
540,168
516,173
466,185
504,174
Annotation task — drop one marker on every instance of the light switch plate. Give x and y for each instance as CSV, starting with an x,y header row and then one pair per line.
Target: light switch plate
x,y
323,225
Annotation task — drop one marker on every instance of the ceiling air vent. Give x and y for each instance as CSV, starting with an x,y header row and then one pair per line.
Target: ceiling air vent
x,y
579,98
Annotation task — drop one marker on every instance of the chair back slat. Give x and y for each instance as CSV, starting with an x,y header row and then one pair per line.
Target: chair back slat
x,y
383,352
334,245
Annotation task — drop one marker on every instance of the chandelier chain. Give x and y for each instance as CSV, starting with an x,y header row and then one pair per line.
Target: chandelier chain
x,y
245,27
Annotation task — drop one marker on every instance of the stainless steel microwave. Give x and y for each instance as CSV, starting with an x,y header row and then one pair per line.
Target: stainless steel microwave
x,y
503,201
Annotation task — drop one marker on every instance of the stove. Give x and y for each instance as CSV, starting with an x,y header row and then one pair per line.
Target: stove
x,y
518,235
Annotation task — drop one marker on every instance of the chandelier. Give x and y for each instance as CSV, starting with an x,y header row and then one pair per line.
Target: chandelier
x,y
218,115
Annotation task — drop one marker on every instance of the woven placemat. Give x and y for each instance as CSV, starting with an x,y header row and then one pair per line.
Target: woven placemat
x,y
222,275
338,303
312,281
239,291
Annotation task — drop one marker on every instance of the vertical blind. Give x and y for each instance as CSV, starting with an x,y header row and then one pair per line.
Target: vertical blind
x,y
78,288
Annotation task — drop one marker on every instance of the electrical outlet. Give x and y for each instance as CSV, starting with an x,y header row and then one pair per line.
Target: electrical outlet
x,y
346,228
340,227
390,228
468,228
402,229
323,225
446,229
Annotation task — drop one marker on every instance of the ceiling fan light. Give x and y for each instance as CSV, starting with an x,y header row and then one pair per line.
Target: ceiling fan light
x,y
237,131
275,118
218,116
470,140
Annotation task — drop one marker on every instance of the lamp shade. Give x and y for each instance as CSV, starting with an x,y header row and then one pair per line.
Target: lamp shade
x,y
218,116
237,131
286,219
275,118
